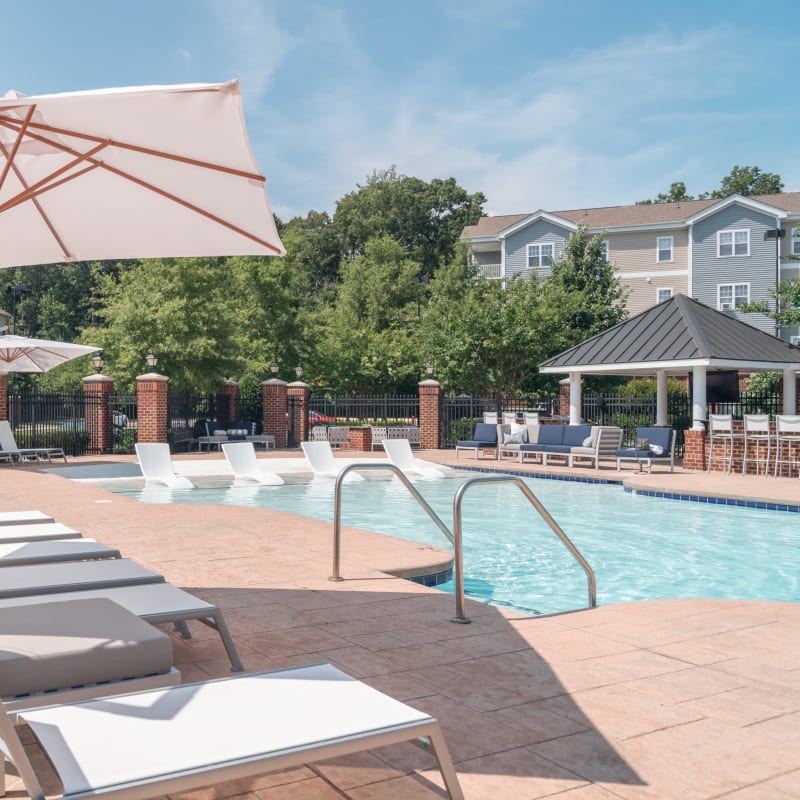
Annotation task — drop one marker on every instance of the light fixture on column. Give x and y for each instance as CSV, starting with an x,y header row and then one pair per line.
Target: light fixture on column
x,y
151,360
429,370
98,362
299,372
273,368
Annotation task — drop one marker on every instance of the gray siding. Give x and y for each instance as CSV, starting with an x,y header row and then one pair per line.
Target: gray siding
x,y
540,232
757,269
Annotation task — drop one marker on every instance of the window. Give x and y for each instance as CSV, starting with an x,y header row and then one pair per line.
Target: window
x,y
795,242
732,295
663,294
540,255
604,251
733,243
795,340
664,248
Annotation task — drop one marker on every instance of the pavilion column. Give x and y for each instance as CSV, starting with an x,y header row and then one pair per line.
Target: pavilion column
x,y
575,399
661,397
699,398
789,391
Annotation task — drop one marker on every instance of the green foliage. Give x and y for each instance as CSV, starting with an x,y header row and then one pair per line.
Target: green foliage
x,y
425,218
675,194
460,429
763,382
746,181
785,308
646,387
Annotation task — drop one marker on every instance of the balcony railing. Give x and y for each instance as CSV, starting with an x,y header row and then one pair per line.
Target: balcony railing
x,y
490,270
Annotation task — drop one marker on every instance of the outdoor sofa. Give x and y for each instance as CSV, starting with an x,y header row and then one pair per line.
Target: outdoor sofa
x,y
484,437
557,440
652,444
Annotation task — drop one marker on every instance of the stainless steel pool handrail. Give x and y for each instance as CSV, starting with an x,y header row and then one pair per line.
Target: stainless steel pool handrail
x,y
457,530
337,508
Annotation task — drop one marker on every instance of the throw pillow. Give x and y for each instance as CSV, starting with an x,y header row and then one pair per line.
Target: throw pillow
x,y
642,444
656,449
513,438
522,430
587,442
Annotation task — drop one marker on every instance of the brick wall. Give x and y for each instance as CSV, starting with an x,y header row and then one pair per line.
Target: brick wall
x,y
152,391
273,393
99,393
429,411
228,412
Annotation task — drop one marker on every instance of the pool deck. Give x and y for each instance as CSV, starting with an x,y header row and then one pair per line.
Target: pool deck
x,y
684,699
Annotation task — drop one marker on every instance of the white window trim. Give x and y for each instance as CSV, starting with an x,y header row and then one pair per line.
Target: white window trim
x,y
671,258
539,265
607,246
733,295
664,289
794,247
733,232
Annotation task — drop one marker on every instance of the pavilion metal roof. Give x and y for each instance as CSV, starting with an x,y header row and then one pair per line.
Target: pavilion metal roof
x,y
676,335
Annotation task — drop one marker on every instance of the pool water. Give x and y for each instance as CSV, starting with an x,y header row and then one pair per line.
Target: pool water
x,y
639,547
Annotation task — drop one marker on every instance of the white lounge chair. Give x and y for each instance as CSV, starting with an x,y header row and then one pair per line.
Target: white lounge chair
x,y
39,579
36,532
183,738
23,517
156,465
399,453
241,458
62,651
8,445
19,554
320,458
156,603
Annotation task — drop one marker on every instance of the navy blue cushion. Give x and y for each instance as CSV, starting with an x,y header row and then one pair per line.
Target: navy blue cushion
x,y
575,434
632,452
556,448
485,432
551,434
659,436
470,443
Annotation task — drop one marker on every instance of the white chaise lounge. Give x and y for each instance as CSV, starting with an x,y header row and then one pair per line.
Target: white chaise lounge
x,y
182,738
322,462
241,458
37,532
156,465
156,603
17,554
399,453
23,517
8,445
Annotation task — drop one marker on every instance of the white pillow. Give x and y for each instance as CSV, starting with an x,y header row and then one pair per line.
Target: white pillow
x,y
656,449
587,442
513,438
522,430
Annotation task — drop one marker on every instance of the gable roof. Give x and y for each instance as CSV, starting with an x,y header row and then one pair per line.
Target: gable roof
x,y
656,214
676,335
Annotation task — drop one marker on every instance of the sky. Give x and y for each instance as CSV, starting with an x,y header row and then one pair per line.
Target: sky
x,y
539,105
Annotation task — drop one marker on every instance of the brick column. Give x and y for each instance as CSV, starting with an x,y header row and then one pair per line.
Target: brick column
x,y
430,392
228,411
273,392
298,394
360,438
563,397
694,449
98,390
3,396
152,391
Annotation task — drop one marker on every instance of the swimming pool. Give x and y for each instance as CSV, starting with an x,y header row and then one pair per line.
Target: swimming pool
x,y
639,547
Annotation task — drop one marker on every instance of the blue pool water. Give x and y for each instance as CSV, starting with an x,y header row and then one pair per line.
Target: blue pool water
x,y
639,547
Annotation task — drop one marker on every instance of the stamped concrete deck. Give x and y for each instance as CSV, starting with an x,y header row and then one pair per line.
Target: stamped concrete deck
x,y
684,699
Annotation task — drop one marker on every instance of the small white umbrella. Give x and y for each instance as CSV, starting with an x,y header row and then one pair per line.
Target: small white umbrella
x,y
21,354
146,172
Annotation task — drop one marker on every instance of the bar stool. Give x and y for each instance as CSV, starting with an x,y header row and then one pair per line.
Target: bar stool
x,y
756,432
787,441
509,418
721,429
490,417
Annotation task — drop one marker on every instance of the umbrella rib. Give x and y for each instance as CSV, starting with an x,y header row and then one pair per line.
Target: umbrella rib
x,y
174,198
45,184
20,136
255,176
38,206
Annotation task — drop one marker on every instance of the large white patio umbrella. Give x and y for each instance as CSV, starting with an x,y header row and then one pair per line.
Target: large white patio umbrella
x,y
21,354
145,172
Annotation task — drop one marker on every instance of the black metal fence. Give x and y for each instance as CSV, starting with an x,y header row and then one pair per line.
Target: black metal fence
x,y
353,410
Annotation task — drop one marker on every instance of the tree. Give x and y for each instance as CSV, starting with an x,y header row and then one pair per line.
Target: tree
x,y
675,194
584,287
314,251
749,181
425,218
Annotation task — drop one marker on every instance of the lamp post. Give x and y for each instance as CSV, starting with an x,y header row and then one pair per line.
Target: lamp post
x,y
152,360
429,370
299,372
98,362
14,291
273,368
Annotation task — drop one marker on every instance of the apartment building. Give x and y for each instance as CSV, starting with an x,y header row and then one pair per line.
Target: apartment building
x,y
720,252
